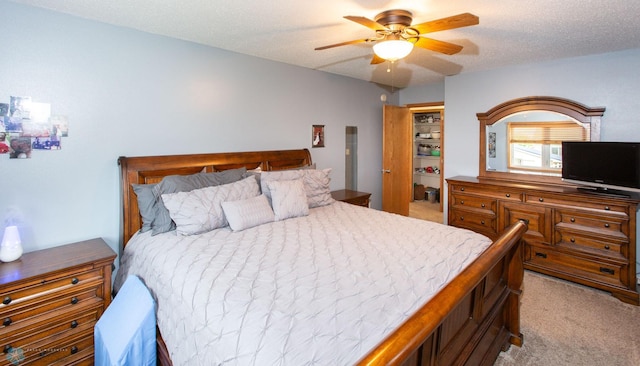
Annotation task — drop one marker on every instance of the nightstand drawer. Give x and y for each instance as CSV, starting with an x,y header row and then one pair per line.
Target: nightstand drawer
x,y
55,349
352,197
46,285
23,334
50,301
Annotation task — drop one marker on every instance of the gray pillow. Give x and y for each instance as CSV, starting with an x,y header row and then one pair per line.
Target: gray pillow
x,y
146,204
186,183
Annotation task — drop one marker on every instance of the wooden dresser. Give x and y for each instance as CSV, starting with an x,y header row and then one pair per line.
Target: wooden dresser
x,y
581,237
51,300
352,197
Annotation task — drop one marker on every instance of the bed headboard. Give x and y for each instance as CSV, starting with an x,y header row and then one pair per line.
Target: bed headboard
x,y
151,169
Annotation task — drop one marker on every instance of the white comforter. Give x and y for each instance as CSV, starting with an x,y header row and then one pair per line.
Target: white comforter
x,y
322,289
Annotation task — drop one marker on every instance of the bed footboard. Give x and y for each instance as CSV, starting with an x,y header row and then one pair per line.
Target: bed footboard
x,y
471,320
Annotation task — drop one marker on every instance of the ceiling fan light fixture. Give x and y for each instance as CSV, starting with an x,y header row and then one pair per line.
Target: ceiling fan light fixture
x,y
393,50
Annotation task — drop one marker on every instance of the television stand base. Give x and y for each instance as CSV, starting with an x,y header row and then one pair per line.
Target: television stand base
x,y
604,192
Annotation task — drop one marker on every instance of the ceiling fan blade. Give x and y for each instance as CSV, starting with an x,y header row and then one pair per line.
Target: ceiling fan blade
x,y
366,22
377,60
343,44
456,21
438,46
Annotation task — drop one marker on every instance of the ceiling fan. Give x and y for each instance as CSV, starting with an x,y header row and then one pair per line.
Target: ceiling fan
x,y
396,36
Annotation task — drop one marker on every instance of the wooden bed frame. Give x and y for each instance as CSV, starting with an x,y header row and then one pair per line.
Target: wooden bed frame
x,y
469,322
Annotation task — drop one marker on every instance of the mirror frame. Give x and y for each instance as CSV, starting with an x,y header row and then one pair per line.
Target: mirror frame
x,y
575,110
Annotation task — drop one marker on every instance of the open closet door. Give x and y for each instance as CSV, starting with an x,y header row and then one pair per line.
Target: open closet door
x,y
397,150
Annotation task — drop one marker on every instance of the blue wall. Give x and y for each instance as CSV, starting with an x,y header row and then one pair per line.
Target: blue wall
x,y
131,93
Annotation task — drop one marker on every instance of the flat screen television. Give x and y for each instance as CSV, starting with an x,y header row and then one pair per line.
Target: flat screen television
x,y
603,167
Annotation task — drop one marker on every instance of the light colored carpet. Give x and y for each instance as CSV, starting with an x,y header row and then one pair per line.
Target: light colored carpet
x,y
425,210
568,324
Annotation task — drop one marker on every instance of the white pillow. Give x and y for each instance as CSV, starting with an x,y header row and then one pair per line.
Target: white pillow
x,y
200,210
316,184
248,213
288,199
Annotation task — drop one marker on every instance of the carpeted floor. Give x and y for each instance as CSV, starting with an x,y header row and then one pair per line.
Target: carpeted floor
x,y
425,210
568,324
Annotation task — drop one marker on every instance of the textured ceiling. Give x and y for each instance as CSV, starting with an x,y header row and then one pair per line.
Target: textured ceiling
x,y
510,31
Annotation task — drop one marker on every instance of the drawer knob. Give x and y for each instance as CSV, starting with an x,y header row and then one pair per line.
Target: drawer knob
x,y
607,247
573,240
74,350
461,218
482,205
74,324
462,202
508,195
7,322
573,219
462,188
541,199
482,222
541,255
74,300
6,300
74,280
607,208
606,225
607,270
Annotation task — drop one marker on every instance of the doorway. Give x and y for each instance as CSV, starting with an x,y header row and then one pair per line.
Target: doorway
x,y
413,163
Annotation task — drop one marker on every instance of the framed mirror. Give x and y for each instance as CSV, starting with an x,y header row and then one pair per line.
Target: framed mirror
x,y
521,139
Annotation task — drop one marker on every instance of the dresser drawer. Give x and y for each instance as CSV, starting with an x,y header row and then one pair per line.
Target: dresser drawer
x,y
607,225
539,226
504,193
22,333
551,199
484,205
483,224
611,272
598,246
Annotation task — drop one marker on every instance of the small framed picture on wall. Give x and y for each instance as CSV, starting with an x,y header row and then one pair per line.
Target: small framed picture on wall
x,y
317,136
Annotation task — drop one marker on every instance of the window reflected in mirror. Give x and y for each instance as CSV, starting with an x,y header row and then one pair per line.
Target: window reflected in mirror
x,y
531,142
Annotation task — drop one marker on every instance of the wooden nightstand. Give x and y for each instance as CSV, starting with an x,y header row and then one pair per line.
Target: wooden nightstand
x,y
51,300
352,197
